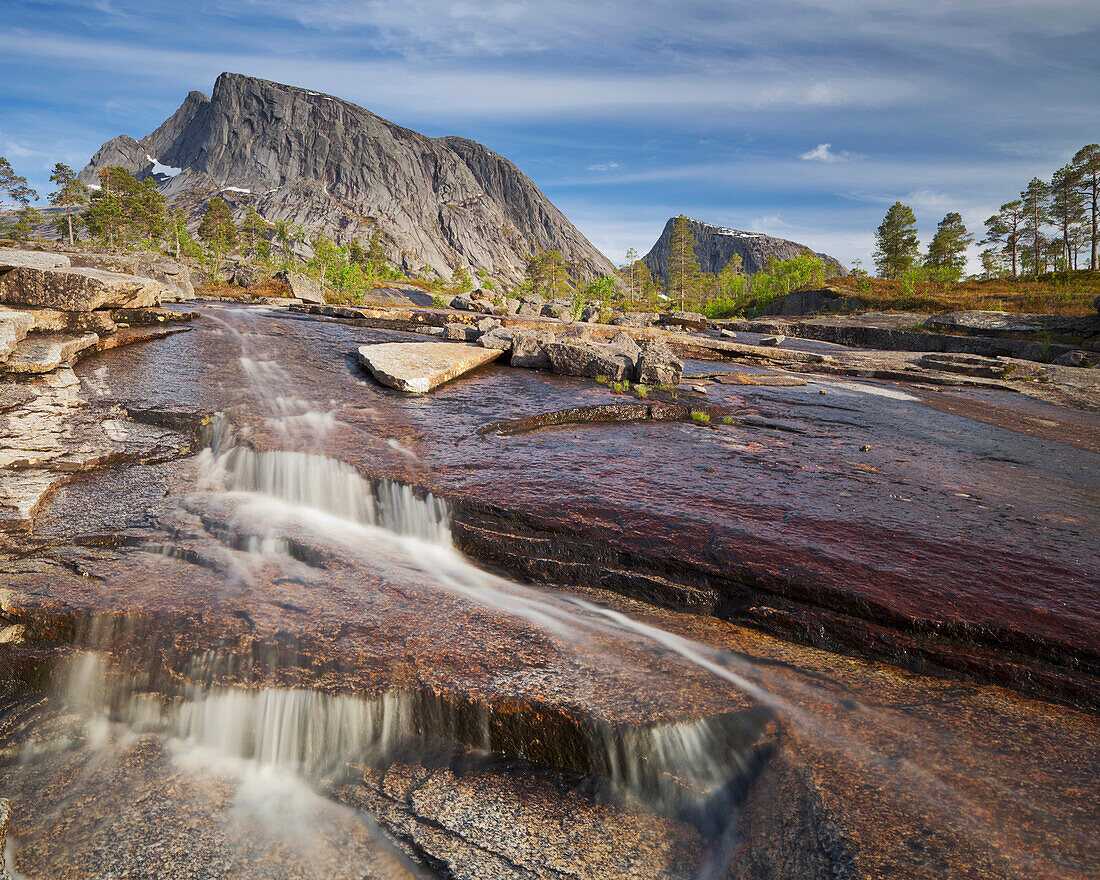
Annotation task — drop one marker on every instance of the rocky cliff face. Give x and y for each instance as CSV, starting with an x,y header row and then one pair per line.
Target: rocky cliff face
x,y
716,245
338,169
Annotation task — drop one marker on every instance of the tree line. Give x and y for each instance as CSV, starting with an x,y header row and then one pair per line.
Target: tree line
x,y
1050,227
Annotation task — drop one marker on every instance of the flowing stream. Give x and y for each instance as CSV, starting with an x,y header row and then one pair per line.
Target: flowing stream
x,y
275,509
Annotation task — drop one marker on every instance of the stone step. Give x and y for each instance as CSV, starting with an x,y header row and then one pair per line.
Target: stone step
x,y
14,326
44,352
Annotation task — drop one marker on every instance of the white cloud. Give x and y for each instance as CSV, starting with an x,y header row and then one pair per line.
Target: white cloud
x,y
604,166
824,153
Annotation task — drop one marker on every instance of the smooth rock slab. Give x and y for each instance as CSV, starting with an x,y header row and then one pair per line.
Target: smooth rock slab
x,y
418,367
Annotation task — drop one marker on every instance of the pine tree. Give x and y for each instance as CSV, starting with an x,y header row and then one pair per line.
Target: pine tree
x,y
217,229
26,219
1034,201
376,256
896,241
1067,210
70,193
629,273
683,268
1005,228
13,188
1086,168
947,250
253,228
124,209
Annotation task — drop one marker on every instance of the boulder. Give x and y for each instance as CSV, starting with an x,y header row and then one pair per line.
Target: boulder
x,y
511,306
245,275
813,302
419,367
13,258
497,337
1077,359
77,290
625,342
487,324
553,310
684,320
530,305
460,333
635,319
175,277
529,349
1096,303
303,287
429,331
589,359
657,365
590,314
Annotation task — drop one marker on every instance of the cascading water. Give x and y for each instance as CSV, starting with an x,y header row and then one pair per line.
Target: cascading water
x,y
274,512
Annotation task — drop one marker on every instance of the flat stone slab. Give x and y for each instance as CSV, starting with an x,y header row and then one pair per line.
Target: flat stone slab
x,y
418,367
12,258
43,352
77,290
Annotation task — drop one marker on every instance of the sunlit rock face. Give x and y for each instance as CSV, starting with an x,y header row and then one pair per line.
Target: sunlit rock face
x,y
338,169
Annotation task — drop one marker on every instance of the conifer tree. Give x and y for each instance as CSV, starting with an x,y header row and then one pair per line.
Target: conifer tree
x,y
1067,210
1086,169
629,273
217,229
253,228
124,209
13,188
682,268
947,250
896,241
1005,228
70,193
1034,200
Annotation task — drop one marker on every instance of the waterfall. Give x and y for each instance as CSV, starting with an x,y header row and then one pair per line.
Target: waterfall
x,y
319,483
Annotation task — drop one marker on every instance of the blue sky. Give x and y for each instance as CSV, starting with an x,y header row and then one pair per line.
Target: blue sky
x,y
800,118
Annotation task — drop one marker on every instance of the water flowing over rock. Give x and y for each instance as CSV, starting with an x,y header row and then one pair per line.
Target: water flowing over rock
x,y
338,169
716,245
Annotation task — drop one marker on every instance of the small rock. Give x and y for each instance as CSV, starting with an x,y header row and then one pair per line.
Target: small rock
x,y
487,324
590,314
429,331
529,349
772,340
865,448
461,332
635,319
684,320
498,337
626,342
698,389
551,310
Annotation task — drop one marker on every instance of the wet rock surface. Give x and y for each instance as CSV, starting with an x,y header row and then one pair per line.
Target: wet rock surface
x,y
830,547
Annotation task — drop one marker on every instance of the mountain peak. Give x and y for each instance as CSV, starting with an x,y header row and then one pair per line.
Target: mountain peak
x,y
337,169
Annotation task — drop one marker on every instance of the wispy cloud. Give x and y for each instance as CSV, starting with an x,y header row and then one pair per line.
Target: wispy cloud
x,y
604,166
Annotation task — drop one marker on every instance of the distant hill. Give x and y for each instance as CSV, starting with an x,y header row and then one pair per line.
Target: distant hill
x,y
338,169
716,245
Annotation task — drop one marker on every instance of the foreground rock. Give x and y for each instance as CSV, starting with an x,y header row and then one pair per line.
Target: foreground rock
x,y
419,367
43,280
